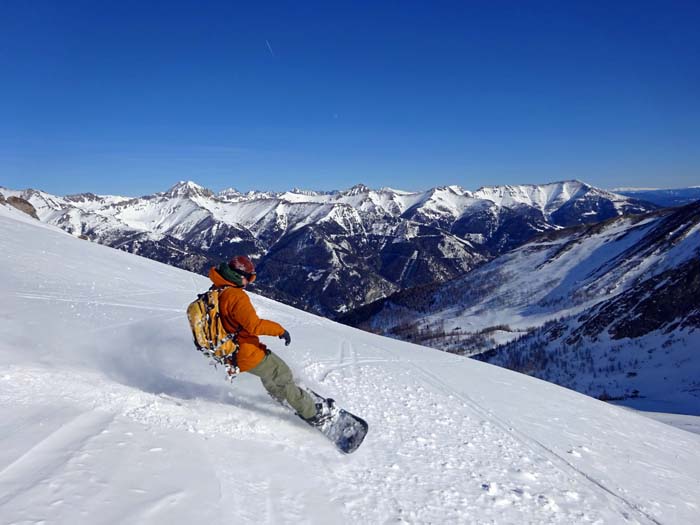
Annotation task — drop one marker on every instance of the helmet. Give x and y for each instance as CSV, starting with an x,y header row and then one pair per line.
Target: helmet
x,y
244,266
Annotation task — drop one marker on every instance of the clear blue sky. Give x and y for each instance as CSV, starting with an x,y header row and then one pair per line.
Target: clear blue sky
x,y
129,97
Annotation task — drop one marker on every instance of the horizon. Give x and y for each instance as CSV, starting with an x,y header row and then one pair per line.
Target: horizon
x,y
341,190
124,98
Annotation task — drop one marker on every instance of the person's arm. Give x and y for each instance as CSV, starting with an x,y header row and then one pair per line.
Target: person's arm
x,y
251,323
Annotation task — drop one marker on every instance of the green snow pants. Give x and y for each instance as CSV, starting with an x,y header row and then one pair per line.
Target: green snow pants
x,y
277,379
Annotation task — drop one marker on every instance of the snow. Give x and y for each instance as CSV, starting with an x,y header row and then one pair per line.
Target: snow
x,y
686,422
108,415
524,298
545,197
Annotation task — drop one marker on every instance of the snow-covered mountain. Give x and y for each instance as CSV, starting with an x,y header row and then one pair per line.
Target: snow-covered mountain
x,y
108,415
334,251
610,309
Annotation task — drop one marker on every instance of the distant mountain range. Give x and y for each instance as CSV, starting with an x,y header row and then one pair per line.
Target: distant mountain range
x,y
663,197
609,309
331,252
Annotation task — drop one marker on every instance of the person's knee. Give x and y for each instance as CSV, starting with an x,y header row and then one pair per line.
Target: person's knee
x,y
284,376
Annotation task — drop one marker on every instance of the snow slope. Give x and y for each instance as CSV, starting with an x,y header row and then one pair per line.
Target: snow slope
x,y
107,415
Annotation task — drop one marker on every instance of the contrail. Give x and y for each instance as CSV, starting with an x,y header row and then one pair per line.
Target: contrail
x,y
270,48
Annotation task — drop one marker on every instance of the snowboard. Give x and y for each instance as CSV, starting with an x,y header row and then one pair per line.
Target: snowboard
x,y
344,429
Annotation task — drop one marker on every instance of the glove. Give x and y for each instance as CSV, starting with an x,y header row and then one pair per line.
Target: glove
x,y
287,338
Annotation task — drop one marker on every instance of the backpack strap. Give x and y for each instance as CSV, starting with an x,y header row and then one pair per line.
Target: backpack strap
x,y
221,289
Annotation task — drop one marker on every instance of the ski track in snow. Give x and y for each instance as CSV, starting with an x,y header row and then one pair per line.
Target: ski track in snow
x,y
107,415
538,448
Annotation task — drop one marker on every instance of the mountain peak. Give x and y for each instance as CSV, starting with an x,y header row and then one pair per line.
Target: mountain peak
x,y
83,197
229,193
453,188
520,187
188,189
539,195
357,189
310,193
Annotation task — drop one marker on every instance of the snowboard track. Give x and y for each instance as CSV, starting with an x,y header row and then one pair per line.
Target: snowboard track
x,y
534,444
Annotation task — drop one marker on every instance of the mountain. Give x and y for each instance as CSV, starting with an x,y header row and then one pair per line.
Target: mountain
x,y
610,310
109,415
663,197
330,252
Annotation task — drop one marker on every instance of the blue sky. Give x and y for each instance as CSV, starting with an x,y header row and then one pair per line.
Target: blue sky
x,y
130,97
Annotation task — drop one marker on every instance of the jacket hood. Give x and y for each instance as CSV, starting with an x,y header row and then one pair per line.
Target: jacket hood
x,y
218,280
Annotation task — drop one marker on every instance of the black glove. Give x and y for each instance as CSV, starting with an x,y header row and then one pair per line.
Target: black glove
x,y
287,338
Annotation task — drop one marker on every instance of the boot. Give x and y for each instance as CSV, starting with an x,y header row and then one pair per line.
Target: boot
x,y
325,412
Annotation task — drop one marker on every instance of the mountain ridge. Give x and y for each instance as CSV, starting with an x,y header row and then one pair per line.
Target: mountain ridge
x,y
330,252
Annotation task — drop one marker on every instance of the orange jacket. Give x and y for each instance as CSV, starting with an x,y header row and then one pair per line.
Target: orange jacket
x,y
238,315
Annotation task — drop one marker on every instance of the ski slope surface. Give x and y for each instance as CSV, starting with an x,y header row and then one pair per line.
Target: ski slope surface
x,y
108,415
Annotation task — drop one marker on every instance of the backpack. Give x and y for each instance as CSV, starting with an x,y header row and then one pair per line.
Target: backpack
x,y
209,334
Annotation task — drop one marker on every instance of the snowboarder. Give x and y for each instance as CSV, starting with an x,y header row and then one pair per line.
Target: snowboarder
x,y
239,316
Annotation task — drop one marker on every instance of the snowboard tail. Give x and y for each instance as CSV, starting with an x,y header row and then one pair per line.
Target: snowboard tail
x,y
344,429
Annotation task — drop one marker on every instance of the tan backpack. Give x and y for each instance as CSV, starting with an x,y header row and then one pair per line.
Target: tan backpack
x,y
208,332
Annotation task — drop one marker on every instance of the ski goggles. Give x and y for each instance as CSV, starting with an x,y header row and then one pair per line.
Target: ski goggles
x,y
250,277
